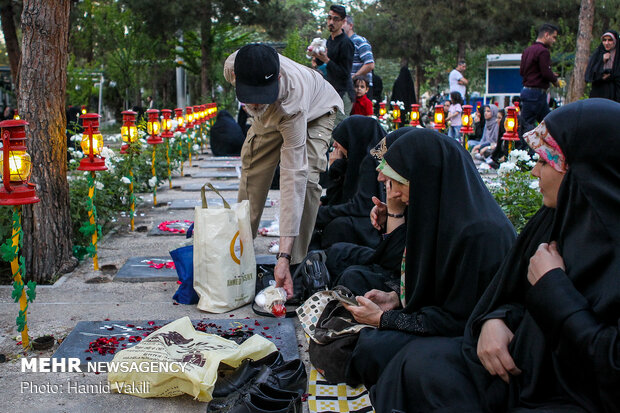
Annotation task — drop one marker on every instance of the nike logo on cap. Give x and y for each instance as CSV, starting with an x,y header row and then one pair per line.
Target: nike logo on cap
x,y
268,76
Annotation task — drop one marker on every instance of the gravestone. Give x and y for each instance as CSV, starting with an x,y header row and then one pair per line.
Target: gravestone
x,y
181,225
216,174
138,269
215,202
128,333
219,164
223,158
192,187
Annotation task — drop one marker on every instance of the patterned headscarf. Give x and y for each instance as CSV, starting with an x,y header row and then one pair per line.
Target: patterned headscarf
x,y
541,141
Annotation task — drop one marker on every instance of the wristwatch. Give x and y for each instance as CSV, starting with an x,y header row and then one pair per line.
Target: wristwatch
x,y
283,255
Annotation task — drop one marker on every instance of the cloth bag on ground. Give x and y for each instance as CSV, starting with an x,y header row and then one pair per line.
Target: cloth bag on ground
x,y
224,261
191,357
183,259
313,308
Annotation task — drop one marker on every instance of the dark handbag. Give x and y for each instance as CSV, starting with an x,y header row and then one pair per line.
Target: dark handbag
x,y
332,357
312,274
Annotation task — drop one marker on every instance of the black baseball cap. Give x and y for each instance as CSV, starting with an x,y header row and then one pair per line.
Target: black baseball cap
x,y
257,69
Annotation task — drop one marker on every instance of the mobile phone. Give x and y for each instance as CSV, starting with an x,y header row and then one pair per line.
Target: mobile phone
x,y
343,297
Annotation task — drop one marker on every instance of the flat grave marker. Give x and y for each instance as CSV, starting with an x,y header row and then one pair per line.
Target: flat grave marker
x,y
138,269
130,332
181,226
217,174
192,187
219,164
215,202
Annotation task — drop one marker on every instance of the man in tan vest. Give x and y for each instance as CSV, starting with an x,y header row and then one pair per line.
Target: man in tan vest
x,y
294,110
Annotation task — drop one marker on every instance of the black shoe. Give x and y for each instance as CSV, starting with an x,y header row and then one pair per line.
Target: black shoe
x,y
289,376
244,374
224,404
255,403
272,393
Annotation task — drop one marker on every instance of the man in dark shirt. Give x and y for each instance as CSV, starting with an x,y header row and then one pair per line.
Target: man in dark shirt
x,y
339,57
537,74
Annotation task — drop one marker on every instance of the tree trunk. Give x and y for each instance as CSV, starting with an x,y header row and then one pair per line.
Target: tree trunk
x,y
460,50
206,46
584,37
43,79
10,38
419,74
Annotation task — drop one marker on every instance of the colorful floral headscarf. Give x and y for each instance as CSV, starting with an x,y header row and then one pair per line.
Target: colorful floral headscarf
x,y
546,147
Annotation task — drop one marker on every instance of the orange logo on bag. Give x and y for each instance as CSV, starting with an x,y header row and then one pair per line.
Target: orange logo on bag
x,y
236,249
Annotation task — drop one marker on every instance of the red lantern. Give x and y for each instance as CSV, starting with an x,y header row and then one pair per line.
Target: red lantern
x,y
197,118
166,124
511,124
189,117
415,115
467,120
178,113
83,110
396,114
382,109
153,127
439,117
129,131
16,164
92,144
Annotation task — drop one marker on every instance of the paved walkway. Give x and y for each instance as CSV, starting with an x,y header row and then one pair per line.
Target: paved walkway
x,y
89,295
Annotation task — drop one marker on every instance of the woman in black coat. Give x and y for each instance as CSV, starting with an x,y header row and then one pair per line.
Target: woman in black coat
x,y
603,69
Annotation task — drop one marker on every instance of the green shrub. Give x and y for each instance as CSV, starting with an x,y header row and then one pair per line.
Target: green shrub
x,y
516,191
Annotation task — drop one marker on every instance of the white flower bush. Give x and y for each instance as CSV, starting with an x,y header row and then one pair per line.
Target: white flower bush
x,y
518,155
507,167
153,182
125,180
176,134
99,185
114,138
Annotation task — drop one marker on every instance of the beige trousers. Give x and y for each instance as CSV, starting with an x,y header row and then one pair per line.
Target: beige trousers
x,y
262,152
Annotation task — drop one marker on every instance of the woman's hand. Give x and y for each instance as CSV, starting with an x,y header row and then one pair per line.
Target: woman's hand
x,y
366,312
386,301
335,154
606,57
378,214
544,260
493,349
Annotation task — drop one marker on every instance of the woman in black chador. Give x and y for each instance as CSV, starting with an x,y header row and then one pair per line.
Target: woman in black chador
x,y
343,215
226,137
603,69
544,336
361,268
456,237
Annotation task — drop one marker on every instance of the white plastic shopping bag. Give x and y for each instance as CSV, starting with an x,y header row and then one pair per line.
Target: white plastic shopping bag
x,y
224,261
